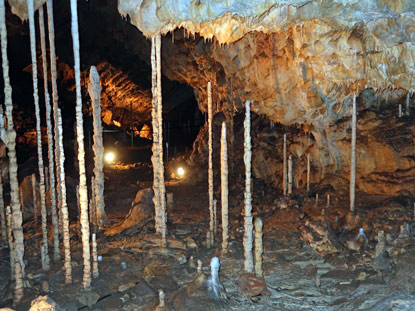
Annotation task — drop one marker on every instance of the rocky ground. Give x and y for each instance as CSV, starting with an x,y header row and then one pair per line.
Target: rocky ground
x,y
313,259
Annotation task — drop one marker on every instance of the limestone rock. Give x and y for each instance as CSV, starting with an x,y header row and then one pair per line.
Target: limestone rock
x,y
253,287
44,303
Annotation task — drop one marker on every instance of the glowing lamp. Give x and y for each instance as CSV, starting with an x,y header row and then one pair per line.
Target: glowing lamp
x,y
109,157
180,172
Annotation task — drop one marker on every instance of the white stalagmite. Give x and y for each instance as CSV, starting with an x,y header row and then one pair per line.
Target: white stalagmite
x,y
83,191
210,167
9,222
155,147
94,90
64,208
9,138
290,174
18,288
2,213
308,172
400,111
284,166
353,157
95,271
258,247
31,14
224,187
163,225
34,197
56,253
407,105
248,226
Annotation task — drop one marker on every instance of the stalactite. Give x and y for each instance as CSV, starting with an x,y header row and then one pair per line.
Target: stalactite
x,y
55,209
95,271
31,14
249,262
258,247
353,157
83,191
163,225
9,229
18,288
2,213
35,209
224,187
308,172
290,174
155,155
284,166
210,168
94,90
9,138
65,214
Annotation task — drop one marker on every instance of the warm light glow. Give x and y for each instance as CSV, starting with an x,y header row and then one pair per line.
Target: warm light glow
x,y
109,157
180,172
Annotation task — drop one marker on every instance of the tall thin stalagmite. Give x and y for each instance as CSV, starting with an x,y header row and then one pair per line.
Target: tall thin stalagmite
x,y
9,222
224,187
83,191
210,167
154,158
284,166
290,174
35,209
56,253
163,225
94,90
51,157
308,172
64,208
407,105
2,214
9,138
353,157
31,14
248,226
95,271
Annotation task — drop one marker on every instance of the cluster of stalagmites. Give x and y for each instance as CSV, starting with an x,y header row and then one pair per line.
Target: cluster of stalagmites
x,y
11,216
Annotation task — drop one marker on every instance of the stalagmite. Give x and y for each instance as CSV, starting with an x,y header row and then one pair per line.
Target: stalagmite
x,y
31,14
92,207
46,178
215,289
43,257
400,111
290,174
210,166
284,166
9,222
161,300
83,191
249,262
353,157
381,244
9,138
224,187
316,199
34,197
18,289
95,271
408,112
258,247
308,172
328,201
56,253
94,90
154,158
163,225
64,208
2,213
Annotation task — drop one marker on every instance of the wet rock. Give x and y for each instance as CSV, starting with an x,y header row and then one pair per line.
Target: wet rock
x,y
320,237
88,298
395,303
403,280
156,267
44,303
253,287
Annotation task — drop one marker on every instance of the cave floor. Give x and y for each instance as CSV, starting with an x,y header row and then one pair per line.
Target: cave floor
x,y
298,277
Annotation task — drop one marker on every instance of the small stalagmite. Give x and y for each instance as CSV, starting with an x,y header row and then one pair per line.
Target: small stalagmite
x,y
64,208
258,247
56,253
224,187
210,164
161,306
353,157
83,190
215,289
308,172
248,226
408,111
9,138
42,191
290,174
94,90
284,166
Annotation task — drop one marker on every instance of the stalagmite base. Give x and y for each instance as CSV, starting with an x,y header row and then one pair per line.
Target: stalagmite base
x,y
248,226
83,191
2,214
9,221
18,289
258,247
95,271
224,187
